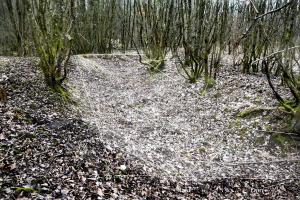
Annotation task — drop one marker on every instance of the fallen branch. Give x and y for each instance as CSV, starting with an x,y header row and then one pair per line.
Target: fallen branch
x,y
278,132
264,163
275,53
253,111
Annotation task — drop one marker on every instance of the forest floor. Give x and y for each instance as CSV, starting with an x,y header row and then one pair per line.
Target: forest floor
x,y
137,135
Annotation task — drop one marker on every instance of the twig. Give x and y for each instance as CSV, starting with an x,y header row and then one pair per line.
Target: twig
x,y
84,39
275,10
279,132
259,17
4,157
263,163
256,10
273,54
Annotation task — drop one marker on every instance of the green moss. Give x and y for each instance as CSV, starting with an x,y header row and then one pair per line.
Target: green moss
x,y
226,110
238,123
140,106
156,65
243,132
283,141
235,124
3,63
289,106
247,97
250,112
179,174
18,110
201,150
26,189
64,94
203,92
259,140
258,101
279,139
268,128
209,83
152,75
231,124
268,117
62,91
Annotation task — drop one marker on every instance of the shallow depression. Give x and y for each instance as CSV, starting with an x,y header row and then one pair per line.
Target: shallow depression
x,y
172,129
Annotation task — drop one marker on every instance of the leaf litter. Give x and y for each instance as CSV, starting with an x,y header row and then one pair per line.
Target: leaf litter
x,y
136,136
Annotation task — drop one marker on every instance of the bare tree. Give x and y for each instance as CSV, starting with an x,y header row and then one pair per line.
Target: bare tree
x,y
52,28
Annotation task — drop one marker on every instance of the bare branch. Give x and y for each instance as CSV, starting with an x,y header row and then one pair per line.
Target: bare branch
x,y
275,53
275,10
259,17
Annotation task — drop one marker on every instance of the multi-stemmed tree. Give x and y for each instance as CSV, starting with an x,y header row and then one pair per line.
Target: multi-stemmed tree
x,y
52,25
265,31
154,22
203,28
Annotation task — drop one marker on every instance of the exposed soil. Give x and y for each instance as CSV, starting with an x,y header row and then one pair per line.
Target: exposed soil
x,y
138,136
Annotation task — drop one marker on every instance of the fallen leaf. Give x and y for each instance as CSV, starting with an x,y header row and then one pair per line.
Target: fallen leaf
x,y
2,137
122,167
13,166
100,192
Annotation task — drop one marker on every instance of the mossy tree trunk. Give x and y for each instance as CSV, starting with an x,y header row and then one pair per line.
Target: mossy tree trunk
x,y
52,28
155,22
203,29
